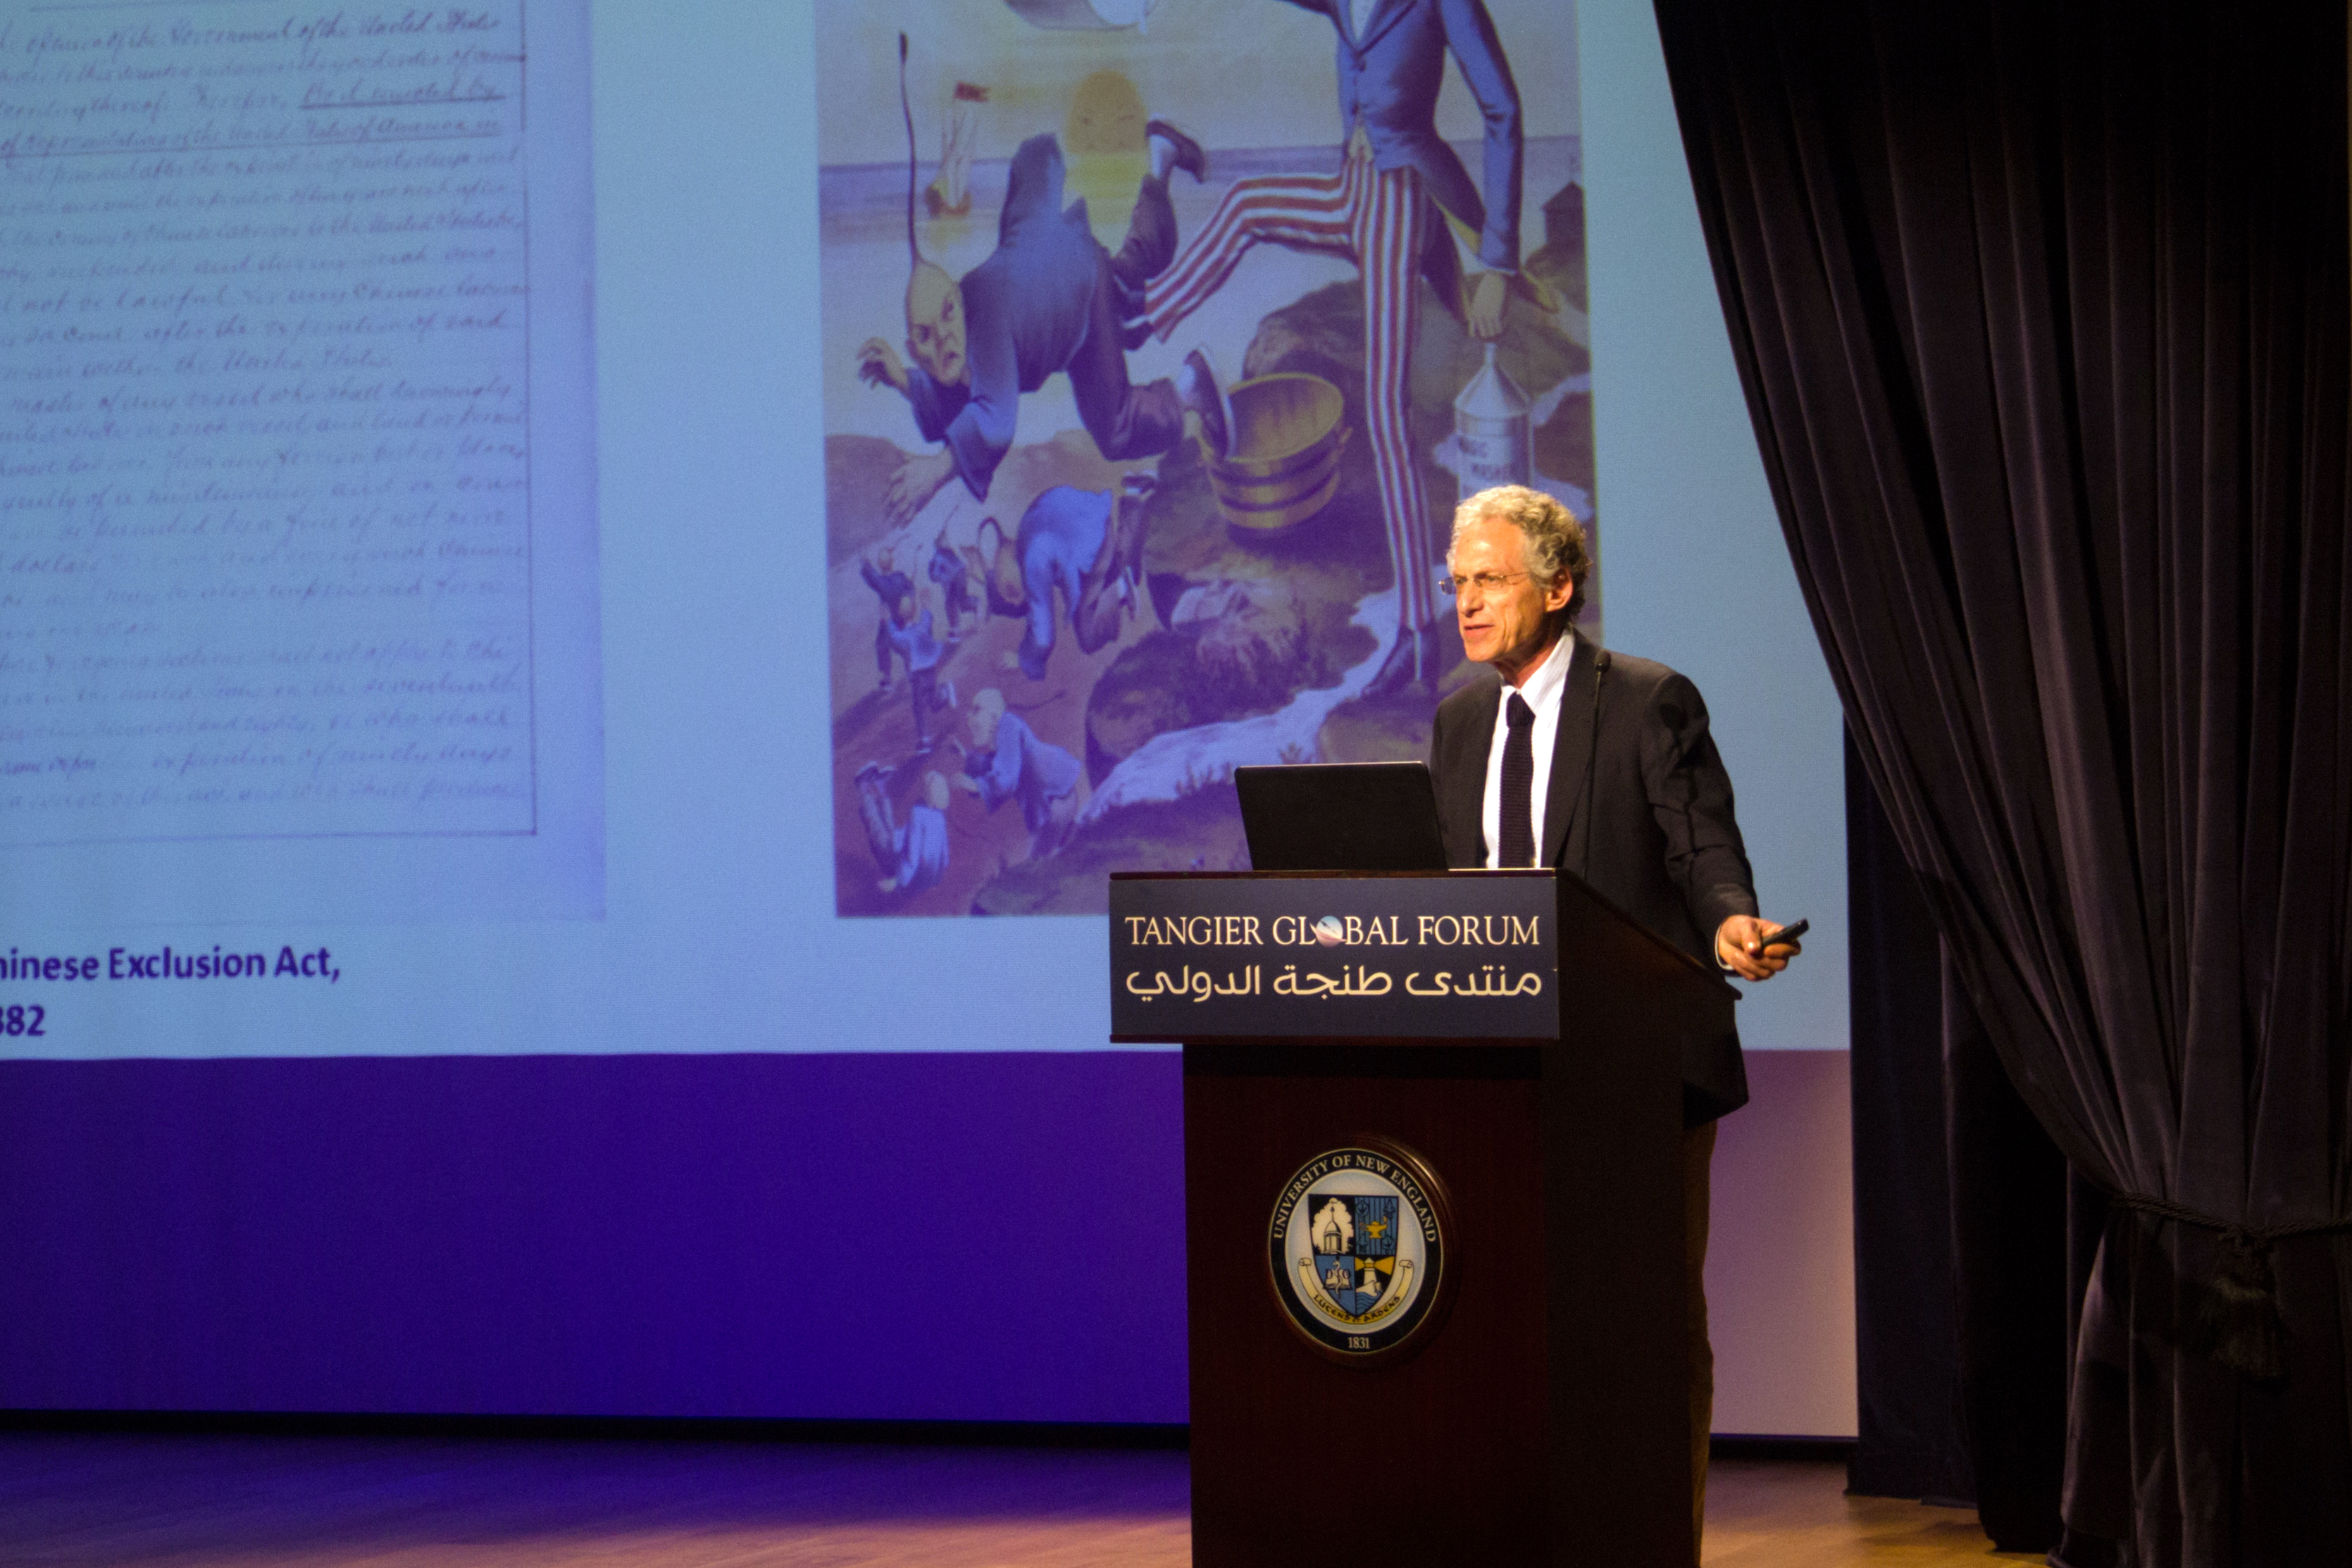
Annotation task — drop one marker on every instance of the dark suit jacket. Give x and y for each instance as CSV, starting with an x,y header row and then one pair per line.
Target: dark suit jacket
x,y
1654,833
1026,309
1389,82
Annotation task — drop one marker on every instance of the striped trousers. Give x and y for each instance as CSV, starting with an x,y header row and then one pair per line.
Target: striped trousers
x,y
1379,220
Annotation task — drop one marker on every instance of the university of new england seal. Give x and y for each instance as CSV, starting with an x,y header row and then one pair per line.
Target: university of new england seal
x,y
1357,1251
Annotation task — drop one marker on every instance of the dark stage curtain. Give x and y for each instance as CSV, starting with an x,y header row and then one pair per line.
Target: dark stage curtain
x,y
1910,1441
2042,311
1961,1210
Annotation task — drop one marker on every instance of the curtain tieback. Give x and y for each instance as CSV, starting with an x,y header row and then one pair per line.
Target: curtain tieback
x,y
2238,1323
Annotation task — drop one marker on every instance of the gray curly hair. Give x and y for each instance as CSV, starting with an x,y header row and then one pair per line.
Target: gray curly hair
x,y
1553,537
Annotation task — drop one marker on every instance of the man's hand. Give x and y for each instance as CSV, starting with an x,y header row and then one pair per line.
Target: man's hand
x,y
966,782
916,482
879,364
1486,297
1744,945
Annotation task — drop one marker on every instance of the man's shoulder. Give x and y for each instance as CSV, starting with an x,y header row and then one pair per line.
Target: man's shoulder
x,y
1645,676
1466,703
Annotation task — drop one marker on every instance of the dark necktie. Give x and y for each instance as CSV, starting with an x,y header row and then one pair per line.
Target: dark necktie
x,y
1519,787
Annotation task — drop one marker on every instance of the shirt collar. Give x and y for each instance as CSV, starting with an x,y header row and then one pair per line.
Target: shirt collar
x,y
1550,679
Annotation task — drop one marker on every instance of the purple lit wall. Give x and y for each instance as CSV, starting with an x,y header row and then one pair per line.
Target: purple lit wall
x,y
922,1237
986,1238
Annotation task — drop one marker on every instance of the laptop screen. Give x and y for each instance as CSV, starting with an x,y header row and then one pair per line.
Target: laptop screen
x,y
1340,816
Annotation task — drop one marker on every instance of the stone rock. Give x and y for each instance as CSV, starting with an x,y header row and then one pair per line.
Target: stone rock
x,y
1248,634
1127,707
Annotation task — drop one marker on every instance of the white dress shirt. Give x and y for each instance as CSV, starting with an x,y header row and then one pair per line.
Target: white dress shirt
x,y
1543,692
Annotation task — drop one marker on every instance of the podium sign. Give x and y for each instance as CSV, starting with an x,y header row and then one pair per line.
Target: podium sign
x,y
1416,955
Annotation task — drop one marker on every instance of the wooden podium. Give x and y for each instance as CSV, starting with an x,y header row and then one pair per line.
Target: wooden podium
x,y
1490,1062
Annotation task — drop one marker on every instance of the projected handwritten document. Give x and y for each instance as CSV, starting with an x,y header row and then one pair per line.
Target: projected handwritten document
x,y
273,489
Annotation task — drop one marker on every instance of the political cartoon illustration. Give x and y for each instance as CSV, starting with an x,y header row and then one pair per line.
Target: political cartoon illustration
x,y
1161,337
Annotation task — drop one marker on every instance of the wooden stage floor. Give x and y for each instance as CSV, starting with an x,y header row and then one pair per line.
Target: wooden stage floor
x,y
212,1502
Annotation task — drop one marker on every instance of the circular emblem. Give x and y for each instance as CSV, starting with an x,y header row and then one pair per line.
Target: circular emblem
x,y
1330,931
1357,1248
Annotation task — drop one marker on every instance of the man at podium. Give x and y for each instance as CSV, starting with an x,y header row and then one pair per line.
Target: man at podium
x,y
1574,757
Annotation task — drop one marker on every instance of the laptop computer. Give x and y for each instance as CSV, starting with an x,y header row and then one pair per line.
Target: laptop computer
x,y
1340,816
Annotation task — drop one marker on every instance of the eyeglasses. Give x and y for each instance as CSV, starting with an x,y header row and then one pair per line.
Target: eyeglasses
x,y
1485,582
